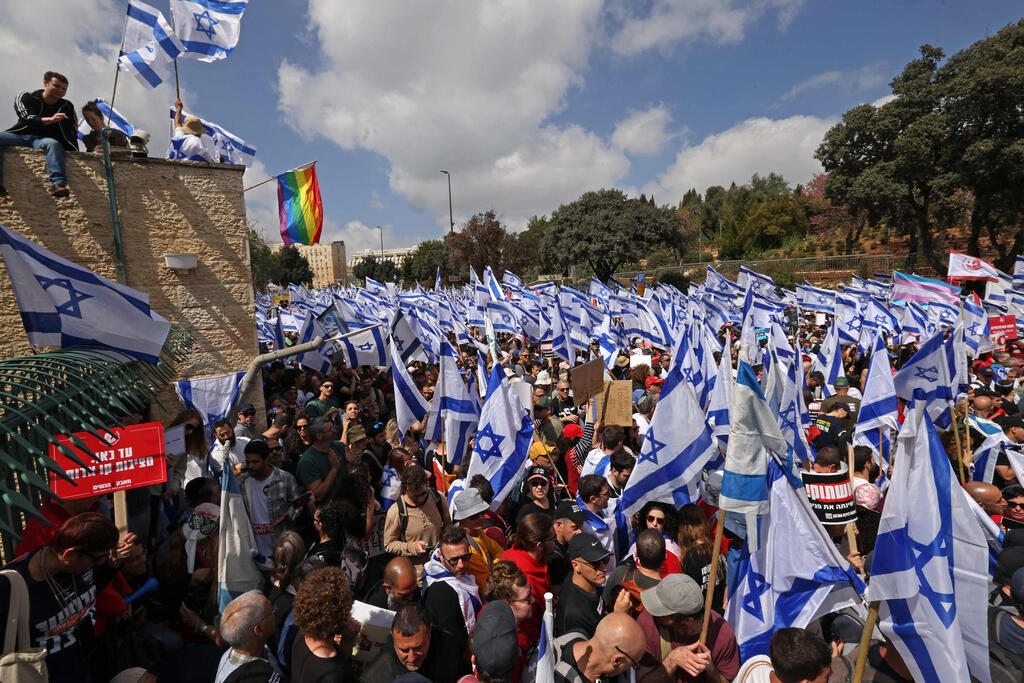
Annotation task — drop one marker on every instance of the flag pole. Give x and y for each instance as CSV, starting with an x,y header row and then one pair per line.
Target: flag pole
x,y
865,643
713,578
177,90
851,532
117,71
262,182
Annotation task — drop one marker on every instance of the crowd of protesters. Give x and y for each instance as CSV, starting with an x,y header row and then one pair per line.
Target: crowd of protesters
x,y
347,515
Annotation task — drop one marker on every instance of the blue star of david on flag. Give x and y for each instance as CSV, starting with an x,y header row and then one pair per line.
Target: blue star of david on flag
x,y
927,373
494,451
69,307
756,587
365,346
650,455
207,27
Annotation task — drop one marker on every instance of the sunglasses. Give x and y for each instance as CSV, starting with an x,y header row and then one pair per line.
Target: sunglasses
x,y
651,519
302,426
1011,504
539,482
326,386
458,559
632,662
249,413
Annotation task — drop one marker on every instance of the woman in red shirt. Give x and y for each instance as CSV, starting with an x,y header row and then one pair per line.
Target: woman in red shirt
x,y
534,540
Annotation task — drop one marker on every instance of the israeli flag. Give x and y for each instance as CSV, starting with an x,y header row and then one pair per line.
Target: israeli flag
x,y
721,396
230,148
675,449
149,47
816,299
406,342
753,433
63,304
503,317
116,120
212,396
236,570
502,448
794,578
930,570
390,487
511,279
928,375
976,329
459,411
366,348
791,412
992,444
829,360
208,28
546,656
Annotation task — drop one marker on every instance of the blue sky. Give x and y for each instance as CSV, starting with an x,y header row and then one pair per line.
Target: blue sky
x,y
528,103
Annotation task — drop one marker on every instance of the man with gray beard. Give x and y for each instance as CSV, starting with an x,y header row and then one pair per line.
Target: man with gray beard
x,y
397,587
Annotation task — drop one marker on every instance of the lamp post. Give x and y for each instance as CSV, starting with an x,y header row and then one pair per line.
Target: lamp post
x,y
451,219
381,244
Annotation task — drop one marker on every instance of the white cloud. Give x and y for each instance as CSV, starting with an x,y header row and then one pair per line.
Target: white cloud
x,y
682,21
470,94
359,237
643,132
853,80
759,145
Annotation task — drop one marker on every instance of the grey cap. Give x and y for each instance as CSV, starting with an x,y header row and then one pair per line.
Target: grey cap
x,y
468,503
675,594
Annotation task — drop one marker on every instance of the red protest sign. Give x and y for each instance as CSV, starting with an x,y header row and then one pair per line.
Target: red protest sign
x,y
1002,328
129,458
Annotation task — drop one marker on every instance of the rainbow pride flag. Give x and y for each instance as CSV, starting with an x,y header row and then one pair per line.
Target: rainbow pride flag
x,y
298,201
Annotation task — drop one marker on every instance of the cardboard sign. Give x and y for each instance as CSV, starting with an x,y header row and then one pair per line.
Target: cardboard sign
x,y
547,350
638,359
276,299
374,631
129,458
1002,328
831,496
286,298
332,321
587,381
614,405
374,545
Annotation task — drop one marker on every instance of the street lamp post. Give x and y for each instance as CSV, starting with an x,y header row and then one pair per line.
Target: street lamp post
x,y
451,219
381,244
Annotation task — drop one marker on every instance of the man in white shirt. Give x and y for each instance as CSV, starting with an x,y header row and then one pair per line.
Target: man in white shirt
x,y
269,495
247,624
597,460
229,448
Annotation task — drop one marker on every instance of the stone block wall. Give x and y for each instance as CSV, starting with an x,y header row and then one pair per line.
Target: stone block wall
x,y
165,207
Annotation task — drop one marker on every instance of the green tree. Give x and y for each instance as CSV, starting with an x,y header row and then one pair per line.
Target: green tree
x,y
373,267
266,267
294,266
605,229
480,242
422,264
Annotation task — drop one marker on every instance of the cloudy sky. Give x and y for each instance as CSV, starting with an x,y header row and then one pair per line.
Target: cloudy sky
x,y
528,103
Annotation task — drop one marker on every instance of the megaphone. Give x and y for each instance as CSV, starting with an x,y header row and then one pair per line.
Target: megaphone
x,y
145,589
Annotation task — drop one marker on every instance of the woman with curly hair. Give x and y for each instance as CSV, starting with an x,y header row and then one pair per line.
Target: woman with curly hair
x,y
662,517
323,604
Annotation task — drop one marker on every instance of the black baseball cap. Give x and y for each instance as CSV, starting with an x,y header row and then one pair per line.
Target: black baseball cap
x,y
570,509
587,547
536,471
495,644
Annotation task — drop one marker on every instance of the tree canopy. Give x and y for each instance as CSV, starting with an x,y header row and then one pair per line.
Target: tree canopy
x,y
283,266
373,267
605,229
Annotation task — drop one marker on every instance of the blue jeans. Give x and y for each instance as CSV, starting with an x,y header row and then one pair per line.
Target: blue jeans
x,y
54,154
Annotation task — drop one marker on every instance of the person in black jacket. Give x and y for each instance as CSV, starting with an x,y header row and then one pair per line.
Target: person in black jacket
x,y
45,121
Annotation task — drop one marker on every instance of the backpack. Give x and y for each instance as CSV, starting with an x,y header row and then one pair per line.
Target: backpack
x,y
1011,661
403,512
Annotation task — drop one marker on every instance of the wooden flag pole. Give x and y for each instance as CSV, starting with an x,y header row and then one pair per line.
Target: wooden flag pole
x,y
713,577
851,532
865,643
262,182
177,90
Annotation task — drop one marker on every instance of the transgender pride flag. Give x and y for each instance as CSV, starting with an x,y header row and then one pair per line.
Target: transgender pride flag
x,y
923,290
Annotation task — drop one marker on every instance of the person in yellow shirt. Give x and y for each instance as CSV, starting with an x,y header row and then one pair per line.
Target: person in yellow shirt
x,y
484,550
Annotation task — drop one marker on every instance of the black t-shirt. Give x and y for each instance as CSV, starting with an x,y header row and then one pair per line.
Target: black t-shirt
x,y
558,564
562,409
577,610
832,430
529,507
56,627
309,668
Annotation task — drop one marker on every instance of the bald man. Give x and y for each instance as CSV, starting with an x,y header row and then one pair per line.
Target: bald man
x,y
988,497
617,645
397,587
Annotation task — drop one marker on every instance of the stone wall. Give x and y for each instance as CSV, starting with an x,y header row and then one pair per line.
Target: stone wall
x,y
165,207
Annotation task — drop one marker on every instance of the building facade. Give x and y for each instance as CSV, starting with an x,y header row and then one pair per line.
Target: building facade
x,y
396,256
327,261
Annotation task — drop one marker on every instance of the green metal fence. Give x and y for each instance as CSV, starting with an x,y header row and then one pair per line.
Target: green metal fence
x,y
81,389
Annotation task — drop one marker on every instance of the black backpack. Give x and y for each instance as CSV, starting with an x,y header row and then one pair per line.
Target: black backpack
x,y
1010,661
